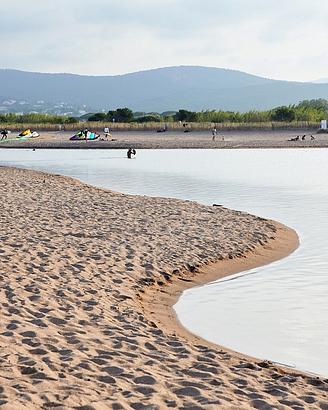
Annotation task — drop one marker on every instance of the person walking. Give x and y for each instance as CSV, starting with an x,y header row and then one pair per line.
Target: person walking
x,y
214,133
4,134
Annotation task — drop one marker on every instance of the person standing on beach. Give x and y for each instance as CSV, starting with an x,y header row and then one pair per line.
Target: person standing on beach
x,y
4,133
214,133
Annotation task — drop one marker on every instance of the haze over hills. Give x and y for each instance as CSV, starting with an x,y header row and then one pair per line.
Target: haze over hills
x,y
172,88
320,81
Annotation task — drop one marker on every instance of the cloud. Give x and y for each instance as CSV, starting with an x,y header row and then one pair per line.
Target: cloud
x,y
275,39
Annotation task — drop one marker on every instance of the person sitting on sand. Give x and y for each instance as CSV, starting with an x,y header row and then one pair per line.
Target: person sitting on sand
x,y
303,138
312,137
185,127
294,139
163,129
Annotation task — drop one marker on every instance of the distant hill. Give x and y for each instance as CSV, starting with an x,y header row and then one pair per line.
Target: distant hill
x,y
320,81
185,87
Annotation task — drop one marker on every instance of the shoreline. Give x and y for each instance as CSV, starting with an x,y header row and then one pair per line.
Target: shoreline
x,y
174,140
83,326
285,242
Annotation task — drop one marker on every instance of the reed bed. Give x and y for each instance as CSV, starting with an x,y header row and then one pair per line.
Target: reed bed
x,y
173,126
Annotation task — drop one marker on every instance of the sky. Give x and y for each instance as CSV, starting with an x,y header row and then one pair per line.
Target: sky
x,y
278,39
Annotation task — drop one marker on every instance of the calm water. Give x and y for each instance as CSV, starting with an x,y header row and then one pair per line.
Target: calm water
x,y
277,312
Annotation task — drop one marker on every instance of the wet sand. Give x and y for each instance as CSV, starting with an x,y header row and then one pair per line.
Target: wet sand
x,y
88,280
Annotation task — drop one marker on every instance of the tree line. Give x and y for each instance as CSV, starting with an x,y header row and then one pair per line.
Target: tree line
x,y
35,118
307,110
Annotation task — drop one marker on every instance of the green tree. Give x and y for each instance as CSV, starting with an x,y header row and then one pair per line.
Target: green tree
x,y
71,120
185,115
120,115
284,114
148,118
181,115
125,115
99,116
316,103
111,115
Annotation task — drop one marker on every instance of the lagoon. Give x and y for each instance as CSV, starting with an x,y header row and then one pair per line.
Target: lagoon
x,y
277,312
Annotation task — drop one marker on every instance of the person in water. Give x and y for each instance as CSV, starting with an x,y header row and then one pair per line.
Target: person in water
x,y
131,152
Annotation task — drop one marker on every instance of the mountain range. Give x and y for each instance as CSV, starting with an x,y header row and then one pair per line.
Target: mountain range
x,y
193,88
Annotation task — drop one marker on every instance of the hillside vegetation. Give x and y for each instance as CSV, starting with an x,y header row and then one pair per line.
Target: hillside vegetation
x,y
171,88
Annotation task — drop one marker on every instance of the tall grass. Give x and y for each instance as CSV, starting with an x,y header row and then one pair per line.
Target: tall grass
x,y
173,126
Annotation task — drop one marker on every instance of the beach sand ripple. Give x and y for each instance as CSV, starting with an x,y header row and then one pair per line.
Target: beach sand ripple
x,y
88,278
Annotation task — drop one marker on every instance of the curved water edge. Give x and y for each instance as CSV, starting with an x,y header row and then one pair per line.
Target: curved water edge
x,y
280,308
160,303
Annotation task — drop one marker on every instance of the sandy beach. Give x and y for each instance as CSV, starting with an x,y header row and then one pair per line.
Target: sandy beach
x,y
173,140
88,281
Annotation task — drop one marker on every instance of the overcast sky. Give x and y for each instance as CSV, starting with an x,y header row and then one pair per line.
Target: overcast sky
x,y
279,39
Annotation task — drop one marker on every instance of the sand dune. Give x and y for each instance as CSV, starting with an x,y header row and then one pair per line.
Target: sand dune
x,y
88,278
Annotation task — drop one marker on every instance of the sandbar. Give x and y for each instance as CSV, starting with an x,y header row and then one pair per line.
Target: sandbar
x,y
176,139
88,279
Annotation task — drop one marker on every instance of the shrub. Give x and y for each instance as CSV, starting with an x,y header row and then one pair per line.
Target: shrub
x,y
283,114
148,118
